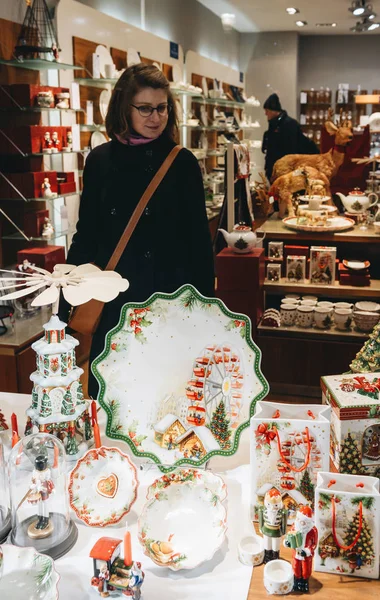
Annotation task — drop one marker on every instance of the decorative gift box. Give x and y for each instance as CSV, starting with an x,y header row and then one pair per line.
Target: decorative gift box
x,y
355,422
296,268
67,188
34,222
275,250
289,445
45,257
29,184
273,272
322,264
348,521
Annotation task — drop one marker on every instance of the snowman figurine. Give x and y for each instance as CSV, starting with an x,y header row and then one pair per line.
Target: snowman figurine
x,y
46,189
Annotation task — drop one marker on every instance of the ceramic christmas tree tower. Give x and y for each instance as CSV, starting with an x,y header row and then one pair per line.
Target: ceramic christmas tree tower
x,y
58,406
368,358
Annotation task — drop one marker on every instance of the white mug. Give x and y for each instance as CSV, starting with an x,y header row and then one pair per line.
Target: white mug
x,y
343,318
314,202
109,71
288,313
322,317
305,316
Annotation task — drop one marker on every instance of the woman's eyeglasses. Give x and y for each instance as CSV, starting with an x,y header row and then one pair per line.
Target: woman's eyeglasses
x,y
147,111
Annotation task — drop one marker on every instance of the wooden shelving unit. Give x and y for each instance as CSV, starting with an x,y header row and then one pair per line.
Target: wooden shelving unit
x,y
313,112
332,291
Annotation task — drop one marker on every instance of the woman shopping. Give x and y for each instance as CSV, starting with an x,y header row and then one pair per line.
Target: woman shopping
x,y
171,243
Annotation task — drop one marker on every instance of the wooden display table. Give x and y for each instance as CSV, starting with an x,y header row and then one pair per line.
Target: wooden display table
x,y
322,585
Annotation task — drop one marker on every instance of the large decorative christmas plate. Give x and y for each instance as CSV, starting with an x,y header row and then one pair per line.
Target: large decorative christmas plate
x,y
333,224
189,477
103,486
179,378
182,526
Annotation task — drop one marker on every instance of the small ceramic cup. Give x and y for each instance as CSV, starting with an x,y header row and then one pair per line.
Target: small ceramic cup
x,y
308,302
343,305
292,297
288,313
343,318
251,550
310,298
322,317
305,316
290,301
326,304
278,577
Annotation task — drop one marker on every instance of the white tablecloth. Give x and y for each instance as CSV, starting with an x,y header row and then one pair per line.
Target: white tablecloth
x,y
222,578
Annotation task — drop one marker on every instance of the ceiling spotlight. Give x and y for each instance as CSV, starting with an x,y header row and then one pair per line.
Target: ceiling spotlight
x,y
292,11
373,26
301,23
364,25
333,24
358,7
371,16
228,21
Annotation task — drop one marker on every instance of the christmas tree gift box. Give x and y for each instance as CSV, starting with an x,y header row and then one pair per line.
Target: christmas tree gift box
x,y
322,264
347,516
289,445
355,422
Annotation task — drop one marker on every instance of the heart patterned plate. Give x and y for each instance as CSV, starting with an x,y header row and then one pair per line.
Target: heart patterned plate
x,y
103,486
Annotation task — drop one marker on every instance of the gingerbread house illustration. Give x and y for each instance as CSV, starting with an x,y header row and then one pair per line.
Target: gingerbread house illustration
x,y
291,498
168,430
196,442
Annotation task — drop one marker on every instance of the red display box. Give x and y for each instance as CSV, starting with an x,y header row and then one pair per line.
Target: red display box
x,y
29,184
29,138
67,188
356,280
34,222
46,257
25,94
68,177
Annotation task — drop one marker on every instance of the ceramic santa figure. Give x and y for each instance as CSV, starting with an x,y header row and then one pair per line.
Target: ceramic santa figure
x,y
272,523
303,539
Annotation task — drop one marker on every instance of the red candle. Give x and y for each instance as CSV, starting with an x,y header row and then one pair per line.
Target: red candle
x,y
98,442
15,438
94,414
14,424
127,549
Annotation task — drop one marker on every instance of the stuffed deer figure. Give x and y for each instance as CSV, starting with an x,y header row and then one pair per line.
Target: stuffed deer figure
x,y
304,178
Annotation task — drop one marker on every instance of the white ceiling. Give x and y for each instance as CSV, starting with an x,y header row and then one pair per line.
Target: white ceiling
x,y
270,15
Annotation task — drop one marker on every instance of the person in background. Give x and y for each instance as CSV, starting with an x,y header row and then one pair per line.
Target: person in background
x,y
284,135
171,245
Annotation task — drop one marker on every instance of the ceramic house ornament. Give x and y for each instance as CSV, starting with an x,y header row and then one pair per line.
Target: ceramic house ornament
x,y
191,372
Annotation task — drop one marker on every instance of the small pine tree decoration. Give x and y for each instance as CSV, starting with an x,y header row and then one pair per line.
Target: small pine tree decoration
x,y
367,359
3,423
34,399
299,275
350,456
46,408
364,545
71,444
306,487
68,407
220,426
80,395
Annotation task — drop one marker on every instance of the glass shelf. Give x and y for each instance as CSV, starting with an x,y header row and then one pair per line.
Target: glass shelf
x,y
28,155
203,127
221,102
90,81
37,64
59,197
36,109
92,127
216,153
18,236
180,92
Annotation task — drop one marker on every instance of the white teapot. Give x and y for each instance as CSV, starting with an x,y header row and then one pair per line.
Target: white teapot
x,y
241,239
357,202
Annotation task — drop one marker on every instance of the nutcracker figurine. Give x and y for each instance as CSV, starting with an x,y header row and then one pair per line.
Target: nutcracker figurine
x,y
41,488
272,523
302,539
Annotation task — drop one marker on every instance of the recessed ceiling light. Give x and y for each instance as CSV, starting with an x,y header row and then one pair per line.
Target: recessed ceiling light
x,y
292,11
333,24
325,24
373,26
301,23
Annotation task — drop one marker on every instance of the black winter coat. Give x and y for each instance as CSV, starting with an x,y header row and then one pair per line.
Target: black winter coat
x,y
171,244
281,138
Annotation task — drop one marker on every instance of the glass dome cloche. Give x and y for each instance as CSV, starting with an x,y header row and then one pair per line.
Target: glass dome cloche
x,y
5,514
38,494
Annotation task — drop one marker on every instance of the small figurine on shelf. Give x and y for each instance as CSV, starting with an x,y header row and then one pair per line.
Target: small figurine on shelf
x,y
272,523
302,539
56,144
48,229
47,143
40,489
55,50
69,138
46,189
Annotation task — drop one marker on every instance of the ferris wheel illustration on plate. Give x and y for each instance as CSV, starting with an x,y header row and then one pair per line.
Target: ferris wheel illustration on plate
x,y
217,376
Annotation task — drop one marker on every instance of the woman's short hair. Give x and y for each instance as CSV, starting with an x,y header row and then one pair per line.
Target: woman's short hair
x,y
134,79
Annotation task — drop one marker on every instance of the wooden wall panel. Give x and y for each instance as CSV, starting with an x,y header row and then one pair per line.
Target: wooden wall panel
x,y
119,58
9,34
82,55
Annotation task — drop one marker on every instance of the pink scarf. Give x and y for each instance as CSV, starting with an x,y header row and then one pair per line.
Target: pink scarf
x,y
134,140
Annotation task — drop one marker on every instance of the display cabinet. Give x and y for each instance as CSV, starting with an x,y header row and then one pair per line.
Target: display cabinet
x,y
314,105
293,356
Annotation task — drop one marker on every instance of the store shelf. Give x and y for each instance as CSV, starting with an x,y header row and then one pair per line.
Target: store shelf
x,y
27,155
179,92
37,109
37,64
91,82
276,230
221,102
335,290
216,152
314,333
202,127
59,197
92,127
18,236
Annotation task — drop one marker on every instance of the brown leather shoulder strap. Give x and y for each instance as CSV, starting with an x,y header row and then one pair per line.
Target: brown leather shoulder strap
x,y
113,261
